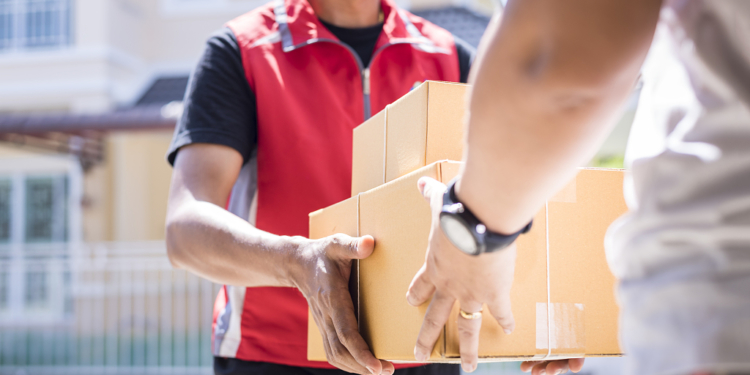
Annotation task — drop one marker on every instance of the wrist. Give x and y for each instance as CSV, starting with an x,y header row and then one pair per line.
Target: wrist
x,y
472,198
294,260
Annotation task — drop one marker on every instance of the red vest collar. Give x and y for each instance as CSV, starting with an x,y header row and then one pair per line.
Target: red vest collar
x,y
299,26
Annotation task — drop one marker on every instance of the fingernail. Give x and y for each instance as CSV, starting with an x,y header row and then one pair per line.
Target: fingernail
x,y
508,331
467,367
371,370
543,372
419,355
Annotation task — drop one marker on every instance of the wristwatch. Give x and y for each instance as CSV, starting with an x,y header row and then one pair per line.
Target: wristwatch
x,y
466,231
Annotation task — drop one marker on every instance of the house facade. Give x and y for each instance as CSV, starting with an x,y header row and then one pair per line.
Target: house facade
x,y
89,95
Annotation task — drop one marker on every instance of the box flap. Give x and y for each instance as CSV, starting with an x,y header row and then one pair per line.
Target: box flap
x,y
368,154
397,216
446,111
406,133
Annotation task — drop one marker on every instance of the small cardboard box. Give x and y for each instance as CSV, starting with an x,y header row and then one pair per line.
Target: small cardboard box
x,y
563,292
422,127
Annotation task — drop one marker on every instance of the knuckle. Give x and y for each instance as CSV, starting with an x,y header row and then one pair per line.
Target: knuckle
x,y
432,324
465,332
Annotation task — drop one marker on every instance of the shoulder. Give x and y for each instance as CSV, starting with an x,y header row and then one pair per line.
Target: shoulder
x,y
433,32
254,26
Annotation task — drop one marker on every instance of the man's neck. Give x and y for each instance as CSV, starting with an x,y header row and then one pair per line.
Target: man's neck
x,y
348,13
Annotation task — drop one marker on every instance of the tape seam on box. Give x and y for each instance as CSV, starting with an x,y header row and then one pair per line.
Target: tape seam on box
x,y
549,297
426,122
359,305
385,141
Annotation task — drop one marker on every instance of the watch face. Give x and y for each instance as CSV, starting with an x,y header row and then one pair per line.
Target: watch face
x,y
458,234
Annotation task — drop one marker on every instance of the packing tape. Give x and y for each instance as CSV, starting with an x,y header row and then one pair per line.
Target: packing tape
x,y
358,235
385,140
559,325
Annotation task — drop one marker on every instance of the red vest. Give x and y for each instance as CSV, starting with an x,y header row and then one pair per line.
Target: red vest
x,y
311,91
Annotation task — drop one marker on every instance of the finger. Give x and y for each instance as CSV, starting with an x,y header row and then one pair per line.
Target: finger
x,y
468,336
342,358
346,328
576,364
528,365
557,367
352,247
388,368
420,289
540,368
429,187
334,353
500,308
434,321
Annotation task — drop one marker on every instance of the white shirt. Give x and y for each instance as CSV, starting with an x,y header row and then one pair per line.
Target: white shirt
x,y
683,252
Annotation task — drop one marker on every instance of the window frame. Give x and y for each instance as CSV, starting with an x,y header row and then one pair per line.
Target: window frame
x,y
18,256
21,40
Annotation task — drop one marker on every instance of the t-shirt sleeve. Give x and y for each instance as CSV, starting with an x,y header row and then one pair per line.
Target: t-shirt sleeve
x,y
466,55
219,106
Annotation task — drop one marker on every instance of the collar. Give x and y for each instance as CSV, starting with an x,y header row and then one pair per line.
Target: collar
x,y
299,26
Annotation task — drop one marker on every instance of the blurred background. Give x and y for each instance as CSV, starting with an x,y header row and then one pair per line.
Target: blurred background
x,y
89,94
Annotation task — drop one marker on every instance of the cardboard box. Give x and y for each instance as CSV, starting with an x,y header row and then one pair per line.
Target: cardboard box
x,y
564,251
424,126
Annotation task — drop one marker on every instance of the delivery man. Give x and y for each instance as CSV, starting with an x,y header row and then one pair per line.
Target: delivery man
x,y
266,138
682,254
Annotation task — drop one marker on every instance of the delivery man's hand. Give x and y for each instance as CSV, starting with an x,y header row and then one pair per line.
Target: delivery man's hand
x,y
449,275
321,271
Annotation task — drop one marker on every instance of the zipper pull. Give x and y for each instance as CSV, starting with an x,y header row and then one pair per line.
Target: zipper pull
x,y
366,81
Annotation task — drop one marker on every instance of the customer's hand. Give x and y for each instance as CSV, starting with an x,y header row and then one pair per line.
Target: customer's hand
x,y
449,275
320,269
552,367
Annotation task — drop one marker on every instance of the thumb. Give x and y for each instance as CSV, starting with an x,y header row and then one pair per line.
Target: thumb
x,y
429,187
354,247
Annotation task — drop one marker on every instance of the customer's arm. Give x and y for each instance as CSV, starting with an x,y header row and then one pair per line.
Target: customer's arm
x,y
208,240
548,82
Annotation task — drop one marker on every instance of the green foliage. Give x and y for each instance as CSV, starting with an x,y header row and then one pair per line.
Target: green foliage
x,y
608,161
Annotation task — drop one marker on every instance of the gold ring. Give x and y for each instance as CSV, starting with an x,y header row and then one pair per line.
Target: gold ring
x,y
470,316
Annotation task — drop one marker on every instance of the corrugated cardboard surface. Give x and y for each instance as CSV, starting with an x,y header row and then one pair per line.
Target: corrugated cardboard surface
x,y
368,155
446,112
582,315
581,282
393,215
422,127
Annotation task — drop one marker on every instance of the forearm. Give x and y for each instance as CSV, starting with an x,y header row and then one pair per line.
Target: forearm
x,y
217,245
543,99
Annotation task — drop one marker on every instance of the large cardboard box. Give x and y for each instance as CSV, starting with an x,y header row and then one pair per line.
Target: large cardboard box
x,y
424,126
563,292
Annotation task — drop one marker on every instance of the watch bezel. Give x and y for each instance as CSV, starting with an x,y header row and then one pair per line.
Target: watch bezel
x,y
447,215
485,240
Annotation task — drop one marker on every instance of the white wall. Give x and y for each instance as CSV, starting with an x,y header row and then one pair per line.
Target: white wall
x,y
119,47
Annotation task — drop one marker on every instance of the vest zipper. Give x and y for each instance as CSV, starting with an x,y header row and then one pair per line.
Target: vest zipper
x,y
366,91
364,71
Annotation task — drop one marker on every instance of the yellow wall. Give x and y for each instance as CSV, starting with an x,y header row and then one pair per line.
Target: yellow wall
x,y
125,196
140,179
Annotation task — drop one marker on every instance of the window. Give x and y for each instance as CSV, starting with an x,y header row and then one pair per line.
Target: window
x,y
4,211
45,209
34,23
35,230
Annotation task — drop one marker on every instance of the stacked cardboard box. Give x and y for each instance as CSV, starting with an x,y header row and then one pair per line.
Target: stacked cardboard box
x,y
562,296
